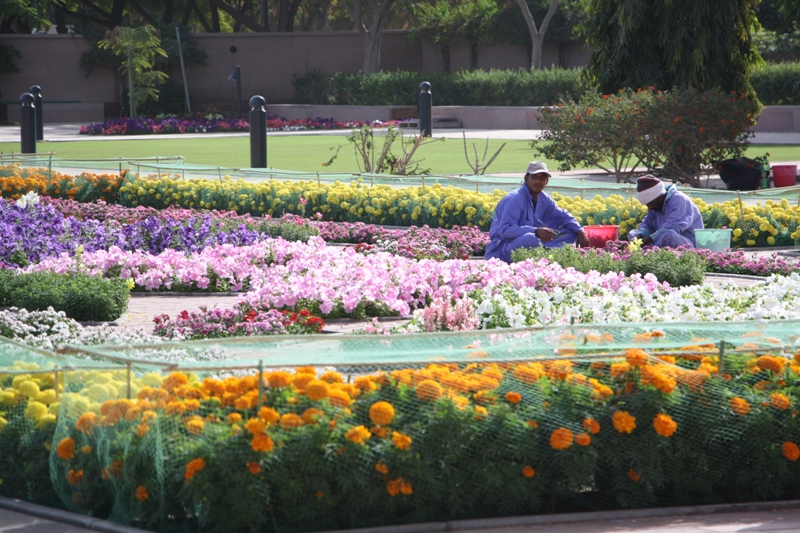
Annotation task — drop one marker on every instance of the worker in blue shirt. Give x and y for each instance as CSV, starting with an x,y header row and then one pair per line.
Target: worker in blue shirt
x,y
527,218
671,217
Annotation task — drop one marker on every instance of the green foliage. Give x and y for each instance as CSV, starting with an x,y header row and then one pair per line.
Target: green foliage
x,y
495,87
81,297
774,46
704,44
171,100
374,159
676,269
679,134
311,87
138,48
777,84
7,55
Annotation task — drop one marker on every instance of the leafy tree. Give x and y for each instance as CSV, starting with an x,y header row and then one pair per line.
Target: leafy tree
x,y
370,18
702,44
139,47
24,16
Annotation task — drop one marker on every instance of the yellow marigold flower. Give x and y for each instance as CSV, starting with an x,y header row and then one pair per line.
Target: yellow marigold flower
x,y
664,425
429,390
262,443
279,379
624,422
194,466
35,410
779,401
311,415
381,413
234,418
513,397
381,467
739,406
529,373
358,435
29,389
365,383
636,357
790,451
481,412
402,441
528,471
300,380
339,398
635,476
268,415
316,389
561,439
582,439
332,377
194,425
74,477
86,449
66,449
141,493
591,425
291,420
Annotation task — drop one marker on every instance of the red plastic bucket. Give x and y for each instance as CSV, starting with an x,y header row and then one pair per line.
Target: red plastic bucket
x,y
599,235
784,175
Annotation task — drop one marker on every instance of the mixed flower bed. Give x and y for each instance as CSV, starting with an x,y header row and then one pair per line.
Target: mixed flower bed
x,y
310,448
213,124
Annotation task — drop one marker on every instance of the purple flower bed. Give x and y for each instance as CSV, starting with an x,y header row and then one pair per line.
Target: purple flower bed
x,y
146,126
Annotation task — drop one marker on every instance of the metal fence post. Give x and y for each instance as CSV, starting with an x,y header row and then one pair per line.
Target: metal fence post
x,y
36,91
425,109
27,124
258,132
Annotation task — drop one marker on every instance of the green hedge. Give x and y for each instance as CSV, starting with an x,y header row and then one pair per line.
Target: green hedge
x,y
777,83
82,297
474,88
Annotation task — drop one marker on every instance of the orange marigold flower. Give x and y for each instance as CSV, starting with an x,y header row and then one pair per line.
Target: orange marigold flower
x,y
591,425
624,422
254,467
635,476
513,397
619,369
194,466
311,416
533,424
74,477
262,443
561,439
176,379
481,412
790,451
234,418
291,420
398,486
365,383
528,471
141,493
429,390
401,440
299,381
772,363
114,470
339,398
381,467
194,425
269,415
66,449
739,406
530,373
663,382
86,423
316,389
779,401
381,413
254,426
279,379
636,357
665,425
358,435
86,449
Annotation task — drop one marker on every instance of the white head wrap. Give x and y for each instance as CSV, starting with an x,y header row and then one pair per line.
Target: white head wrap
x,y
648,195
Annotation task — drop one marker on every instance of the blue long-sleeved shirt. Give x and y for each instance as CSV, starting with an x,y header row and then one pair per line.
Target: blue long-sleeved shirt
x,y
678,214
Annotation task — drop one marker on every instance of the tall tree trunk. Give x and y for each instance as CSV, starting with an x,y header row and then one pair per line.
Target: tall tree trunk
x,y
115,18
168,12
370,26
537,35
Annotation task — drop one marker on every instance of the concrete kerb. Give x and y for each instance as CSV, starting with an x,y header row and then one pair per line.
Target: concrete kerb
x,y
65,517
566,518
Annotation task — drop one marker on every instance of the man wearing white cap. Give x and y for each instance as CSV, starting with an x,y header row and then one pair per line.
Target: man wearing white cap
x,y
671,217
527,218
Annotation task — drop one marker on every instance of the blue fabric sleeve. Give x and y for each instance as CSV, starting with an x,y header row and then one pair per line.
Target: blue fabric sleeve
x,y
678,215
511,220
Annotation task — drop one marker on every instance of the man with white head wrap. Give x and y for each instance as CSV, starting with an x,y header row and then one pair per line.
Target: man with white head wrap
x,y
527,218
671,217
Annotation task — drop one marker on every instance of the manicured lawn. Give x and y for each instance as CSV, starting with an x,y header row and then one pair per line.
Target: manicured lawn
x,y
309,152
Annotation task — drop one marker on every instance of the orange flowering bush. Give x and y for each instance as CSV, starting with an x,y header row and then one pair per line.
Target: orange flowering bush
x,y
16,181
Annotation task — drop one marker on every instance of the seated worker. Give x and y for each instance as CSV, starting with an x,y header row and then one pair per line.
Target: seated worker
x,y
671,217
527,217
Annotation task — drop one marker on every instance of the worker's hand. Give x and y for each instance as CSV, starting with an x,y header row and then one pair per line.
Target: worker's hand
x,y
647,240
583,240
546,234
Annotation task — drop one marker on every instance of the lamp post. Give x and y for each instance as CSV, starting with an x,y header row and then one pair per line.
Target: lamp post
x,y
36,91
425,109
27,124
258,132
237,77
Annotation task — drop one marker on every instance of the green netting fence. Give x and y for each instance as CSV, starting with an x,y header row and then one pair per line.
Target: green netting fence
x,y
325,432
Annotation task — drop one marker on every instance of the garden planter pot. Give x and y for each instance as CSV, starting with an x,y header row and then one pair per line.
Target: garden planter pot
x,y
784,175
600,235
